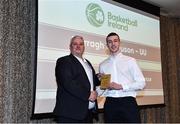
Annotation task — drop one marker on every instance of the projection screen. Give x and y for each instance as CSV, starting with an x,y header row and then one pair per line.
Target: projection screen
x,y
59,20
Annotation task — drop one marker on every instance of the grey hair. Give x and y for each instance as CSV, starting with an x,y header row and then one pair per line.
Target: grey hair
x,y
75,37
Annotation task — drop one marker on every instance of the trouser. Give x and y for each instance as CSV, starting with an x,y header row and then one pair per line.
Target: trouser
x,y
122,110
87,119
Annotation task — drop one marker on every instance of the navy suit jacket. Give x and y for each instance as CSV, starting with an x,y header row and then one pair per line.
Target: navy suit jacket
x,y
73,88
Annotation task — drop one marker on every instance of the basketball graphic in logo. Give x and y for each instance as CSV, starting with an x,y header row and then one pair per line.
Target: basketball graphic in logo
x,y
95,15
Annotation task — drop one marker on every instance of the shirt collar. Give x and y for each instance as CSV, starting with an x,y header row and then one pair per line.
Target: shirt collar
x,y
80,59
112,57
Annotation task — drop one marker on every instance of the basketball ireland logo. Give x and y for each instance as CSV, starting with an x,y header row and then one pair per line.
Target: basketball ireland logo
x,y
95,14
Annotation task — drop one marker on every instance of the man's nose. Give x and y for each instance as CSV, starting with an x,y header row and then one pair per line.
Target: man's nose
x,y
78,46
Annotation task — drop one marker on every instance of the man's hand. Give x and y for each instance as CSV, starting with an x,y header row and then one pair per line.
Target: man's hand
x,y
99,75
115,86
93,96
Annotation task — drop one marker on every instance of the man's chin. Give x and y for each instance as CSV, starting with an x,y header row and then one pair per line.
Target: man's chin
x,y
114,51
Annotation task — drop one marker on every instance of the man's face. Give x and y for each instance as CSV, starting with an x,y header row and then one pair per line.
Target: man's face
x,y
113,43
77,47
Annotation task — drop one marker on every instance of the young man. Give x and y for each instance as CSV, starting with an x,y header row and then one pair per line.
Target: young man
x,y
126,79
76,81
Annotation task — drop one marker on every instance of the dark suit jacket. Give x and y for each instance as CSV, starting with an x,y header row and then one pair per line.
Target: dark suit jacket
x,y
73,88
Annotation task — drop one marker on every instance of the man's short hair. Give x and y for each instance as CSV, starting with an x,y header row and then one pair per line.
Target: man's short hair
x,y
112,34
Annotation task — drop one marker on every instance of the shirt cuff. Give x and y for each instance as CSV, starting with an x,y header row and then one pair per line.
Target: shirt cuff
x,y
125,87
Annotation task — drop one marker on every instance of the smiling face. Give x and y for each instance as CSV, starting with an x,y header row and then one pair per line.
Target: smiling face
x,y
113,43
77,46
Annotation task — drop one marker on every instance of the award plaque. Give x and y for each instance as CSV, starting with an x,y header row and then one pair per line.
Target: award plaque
x,y
105,80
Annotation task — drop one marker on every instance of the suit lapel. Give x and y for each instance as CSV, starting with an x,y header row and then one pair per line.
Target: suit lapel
x,y
93,74
79,68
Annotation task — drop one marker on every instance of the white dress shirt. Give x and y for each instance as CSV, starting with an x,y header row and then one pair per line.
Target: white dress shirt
x,y
88,71
125,71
